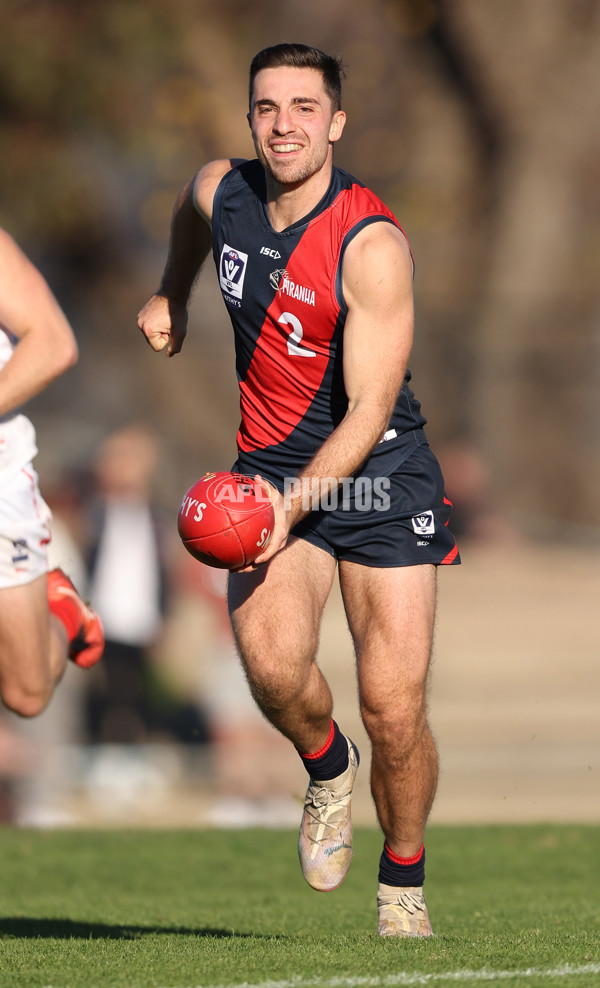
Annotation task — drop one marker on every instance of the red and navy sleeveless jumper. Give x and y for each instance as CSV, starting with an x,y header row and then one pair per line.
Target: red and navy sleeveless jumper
x,y
283,292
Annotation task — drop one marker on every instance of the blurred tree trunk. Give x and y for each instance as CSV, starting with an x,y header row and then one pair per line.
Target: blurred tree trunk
x,y
537,64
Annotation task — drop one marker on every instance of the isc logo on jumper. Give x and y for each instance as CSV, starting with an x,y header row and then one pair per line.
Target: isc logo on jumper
x,y
232,270
424,523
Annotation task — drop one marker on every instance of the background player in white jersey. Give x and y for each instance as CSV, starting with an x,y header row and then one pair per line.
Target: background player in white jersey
x,y
386,567
42,619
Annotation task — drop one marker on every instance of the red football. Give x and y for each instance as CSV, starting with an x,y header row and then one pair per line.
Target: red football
x,y
226,519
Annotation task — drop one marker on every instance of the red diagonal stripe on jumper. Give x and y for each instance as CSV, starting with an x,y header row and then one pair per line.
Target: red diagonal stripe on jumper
x,y
293,349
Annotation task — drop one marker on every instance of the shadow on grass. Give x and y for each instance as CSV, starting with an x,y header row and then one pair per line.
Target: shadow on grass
x,y
68,929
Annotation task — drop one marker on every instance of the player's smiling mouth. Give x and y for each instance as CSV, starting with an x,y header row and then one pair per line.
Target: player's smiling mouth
x,y
285,148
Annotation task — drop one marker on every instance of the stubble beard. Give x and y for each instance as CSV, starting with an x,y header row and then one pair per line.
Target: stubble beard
x,y
298,173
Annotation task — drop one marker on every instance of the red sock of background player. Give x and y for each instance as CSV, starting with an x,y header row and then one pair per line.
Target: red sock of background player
x,y
406,872
330,760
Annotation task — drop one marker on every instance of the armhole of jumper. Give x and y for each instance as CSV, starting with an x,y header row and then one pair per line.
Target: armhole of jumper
x,y
216,212
366,221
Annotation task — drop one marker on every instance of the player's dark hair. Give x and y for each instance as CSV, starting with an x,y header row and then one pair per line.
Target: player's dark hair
x,y
302,57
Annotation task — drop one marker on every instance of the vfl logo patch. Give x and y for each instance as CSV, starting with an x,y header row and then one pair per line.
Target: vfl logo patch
x,y
232,270
21,553
424,523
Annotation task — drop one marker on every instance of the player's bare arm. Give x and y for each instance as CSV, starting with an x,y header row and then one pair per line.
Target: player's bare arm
x,y
31,313
163,319
377,281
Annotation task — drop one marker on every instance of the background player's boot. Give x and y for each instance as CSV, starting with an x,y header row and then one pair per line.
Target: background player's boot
x,y
402,912
82,624
325,842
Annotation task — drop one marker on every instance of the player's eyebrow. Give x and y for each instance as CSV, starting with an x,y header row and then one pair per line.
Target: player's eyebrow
x,y
295,100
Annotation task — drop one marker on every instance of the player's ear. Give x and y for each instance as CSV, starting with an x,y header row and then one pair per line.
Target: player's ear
x,y
337,125
249,119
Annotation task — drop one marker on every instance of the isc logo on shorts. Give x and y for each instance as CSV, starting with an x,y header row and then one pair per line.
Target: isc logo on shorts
x,y
232,270
424,524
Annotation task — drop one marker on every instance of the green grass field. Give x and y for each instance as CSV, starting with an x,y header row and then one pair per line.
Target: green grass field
x,y
517,905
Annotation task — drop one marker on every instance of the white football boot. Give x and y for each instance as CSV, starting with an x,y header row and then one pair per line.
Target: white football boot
x,y
402,912
325,842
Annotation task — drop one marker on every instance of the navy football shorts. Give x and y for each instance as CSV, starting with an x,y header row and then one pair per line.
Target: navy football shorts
x,y
393,512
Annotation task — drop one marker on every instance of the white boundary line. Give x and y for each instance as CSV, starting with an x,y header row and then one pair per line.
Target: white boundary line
x,y
405,978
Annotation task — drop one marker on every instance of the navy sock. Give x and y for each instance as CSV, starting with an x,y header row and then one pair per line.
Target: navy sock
x,y
394,870
330,760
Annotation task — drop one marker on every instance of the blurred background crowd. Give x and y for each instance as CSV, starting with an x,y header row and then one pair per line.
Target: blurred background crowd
x,y
477,123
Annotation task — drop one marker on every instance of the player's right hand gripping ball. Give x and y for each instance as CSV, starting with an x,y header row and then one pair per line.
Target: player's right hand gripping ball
x,y
226,520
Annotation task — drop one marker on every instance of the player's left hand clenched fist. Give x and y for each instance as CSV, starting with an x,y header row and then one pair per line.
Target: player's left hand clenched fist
x,y
164,324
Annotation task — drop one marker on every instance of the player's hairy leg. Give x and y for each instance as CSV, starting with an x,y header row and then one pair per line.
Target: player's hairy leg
x,y
391,615
33,648
275,614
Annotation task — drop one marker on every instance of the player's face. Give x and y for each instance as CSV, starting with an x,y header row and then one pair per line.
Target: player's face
x,y
293,123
